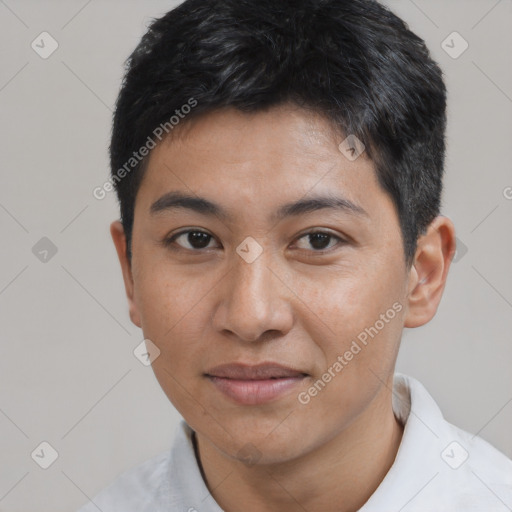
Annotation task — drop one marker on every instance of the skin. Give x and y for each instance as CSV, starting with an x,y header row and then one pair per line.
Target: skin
x,y
293,305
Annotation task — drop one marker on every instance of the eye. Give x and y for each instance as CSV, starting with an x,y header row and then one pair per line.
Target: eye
x,y
320,240
193,239
196,240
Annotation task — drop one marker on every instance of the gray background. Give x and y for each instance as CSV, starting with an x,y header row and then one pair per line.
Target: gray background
x,y
67,369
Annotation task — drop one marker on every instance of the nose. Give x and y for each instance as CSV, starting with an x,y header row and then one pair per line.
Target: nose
x,y
253,301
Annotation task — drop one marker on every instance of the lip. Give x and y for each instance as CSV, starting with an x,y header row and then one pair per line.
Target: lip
x,y
255,384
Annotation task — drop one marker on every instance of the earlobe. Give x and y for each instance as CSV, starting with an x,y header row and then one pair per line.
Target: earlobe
x,y
429,272
119,239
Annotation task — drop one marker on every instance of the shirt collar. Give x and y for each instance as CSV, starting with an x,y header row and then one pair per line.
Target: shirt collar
x,y
418,461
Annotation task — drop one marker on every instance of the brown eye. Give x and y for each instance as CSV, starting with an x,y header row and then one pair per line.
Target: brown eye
x,y
192,240
320,241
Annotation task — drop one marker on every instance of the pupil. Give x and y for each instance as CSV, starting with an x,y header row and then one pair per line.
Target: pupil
x,y
198,240
318,240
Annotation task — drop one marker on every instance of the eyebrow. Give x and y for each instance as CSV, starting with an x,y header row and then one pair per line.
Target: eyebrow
x,y
178,200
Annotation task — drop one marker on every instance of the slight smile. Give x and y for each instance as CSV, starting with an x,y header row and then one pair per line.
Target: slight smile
x,y
254,384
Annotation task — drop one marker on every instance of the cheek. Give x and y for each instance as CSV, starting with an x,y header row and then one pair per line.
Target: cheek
x,y
358,355
351,316
345,302
168,298
175,315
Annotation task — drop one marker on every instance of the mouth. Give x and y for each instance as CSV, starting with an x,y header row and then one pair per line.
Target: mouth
x,y
256,384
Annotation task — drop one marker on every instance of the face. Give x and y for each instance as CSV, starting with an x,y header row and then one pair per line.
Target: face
x,y
319,288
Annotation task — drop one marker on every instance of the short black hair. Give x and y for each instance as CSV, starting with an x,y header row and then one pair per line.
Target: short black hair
x,y
353,61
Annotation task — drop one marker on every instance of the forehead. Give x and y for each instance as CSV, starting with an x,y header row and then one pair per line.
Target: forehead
x,y
259,160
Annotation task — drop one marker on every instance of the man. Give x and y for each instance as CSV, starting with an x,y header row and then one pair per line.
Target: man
x,y
279,170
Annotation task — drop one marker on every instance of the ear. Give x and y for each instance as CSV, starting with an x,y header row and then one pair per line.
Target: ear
x,y
119,238
427,278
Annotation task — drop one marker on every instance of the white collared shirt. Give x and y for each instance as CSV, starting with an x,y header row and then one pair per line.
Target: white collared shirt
x,y
438,468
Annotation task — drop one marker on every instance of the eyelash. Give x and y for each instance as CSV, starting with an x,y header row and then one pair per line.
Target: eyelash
x,y
169,242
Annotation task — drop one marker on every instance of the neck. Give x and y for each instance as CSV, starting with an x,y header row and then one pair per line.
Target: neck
x,y
338,476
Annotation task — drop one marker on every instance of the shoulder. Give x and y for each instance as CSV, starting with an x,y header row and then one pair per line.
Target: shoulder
x,y
170,480
464,471
134,488
478,466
